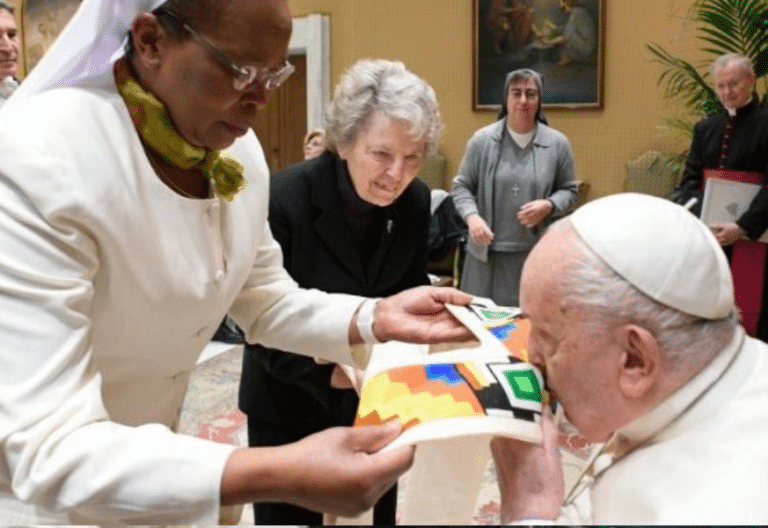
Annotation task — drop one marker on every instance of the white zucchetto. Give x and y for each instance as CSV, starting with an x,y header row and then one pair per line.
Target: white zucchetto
x,y
661,249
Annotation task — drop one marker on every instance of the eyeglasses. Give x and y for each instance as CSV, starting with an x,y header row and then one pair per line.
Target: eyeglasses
x,y
243,75
518,93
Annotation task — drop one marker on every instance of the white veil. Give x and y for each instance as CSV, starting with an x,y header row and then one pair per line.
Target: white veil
x,y
86,48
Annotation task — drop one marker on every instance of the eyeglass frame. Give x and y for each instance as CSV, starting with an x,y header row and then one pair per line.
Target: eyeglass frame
x,y
243,76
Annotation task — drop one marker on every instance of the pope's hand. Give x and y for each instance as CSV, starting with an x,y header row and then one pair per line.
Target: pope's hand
x,y
530,475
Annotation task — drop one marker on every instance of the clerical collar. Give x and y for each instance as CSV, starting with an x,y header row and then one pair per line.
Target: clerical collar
x,y
743,110
522,140
8,86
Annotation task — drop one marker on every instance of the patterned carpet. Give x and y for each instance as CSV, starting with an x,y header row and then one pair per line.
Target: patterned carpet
x,y
210,411
210,408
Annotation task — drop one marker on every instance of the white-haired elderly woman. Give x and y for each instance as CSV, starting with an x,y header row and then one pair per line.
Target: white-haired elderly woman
x,y
353,220
515,175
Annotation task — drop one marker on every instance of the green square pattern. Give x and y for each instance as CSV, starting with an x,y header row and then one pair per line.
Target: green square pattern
x,y
524,384
495,314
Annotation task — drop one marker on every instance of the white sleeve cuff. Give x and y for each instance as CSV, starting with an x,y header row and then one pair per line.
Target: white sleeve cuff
x,y
365,318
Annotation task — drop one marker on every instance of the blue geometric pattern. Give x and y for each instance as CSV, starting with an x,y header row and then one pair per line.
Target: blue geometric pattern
x,y
445,371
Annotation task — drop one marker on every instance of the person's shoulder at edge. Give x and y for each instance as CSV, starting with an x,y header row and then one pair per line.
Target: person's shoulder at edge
x,y
711,118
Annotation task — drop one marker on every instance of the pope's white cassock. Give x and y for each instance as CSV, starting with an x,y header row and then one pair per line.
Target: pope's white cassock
x,y
699,458
699,455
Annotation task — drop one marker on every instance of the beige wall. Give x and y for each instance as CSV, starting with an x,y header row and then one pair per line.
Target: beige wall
x,y
434,39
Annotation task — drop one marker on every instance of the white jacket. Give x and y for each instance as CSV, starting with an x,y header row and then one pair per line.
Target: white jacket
x,y
110,286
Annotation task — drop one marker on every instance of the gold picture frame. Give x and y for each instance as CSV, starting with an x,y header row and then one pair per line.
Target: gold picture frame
x,y
41,23
562,43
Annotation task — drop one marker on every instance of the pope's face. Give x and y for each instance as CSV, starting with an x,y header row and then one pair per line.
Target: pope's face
x,y
384,159
9,44
198,91
733,85
581,367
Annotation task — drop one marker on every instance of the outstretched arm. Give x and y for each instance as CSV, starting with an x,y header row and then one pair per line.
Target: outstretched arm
x,y
337,471
417,315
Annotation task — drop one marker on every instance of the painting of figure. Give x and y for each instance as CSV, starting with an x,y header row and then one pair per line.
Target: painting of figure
x,y
43,20
510,25
560,39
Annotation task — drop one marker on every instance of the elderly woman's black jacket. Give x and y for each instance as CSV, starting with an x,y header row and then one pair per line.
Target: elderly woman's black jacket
x,y
290,391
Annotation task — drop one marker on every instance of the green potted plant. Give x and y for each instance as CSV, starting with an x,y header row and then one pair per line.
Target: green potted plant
x,y
723,26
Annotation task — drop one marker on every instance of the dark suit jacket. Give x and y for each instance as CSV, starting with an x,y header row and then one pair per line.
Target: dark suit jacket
x,y
307,220
748,152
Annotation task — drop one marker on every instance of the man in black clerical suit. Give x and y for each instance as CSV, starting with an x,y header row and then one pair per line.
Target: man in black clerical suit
x,y
736,139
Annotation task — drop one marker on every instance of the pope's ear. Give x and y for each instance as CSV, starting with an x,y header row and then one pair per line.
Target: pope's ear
x,y
641,361
148,36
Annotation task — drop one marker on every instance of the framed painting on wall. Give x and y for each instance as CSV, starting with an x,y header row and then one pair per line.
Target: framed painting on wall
x,y
42,22
563,40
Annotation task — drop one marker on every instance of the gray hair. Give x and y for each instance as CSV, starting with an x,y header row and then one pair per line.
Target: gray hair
x,y
745,63
370,86
688,342
6,6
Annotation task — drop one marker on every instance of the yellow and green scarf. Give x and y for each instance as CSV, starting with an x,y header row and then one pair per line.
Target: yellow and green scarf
x,y
154,125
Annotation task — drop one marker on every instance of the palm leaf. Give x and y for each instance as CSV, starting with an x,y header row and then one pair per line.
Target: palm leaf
x,y
678,126
738,25
722,26
680,79
723,43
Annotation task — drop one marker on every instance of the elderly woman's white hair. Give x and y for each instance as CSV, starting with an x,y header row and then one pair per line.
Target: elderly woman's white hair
x,y
385,86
